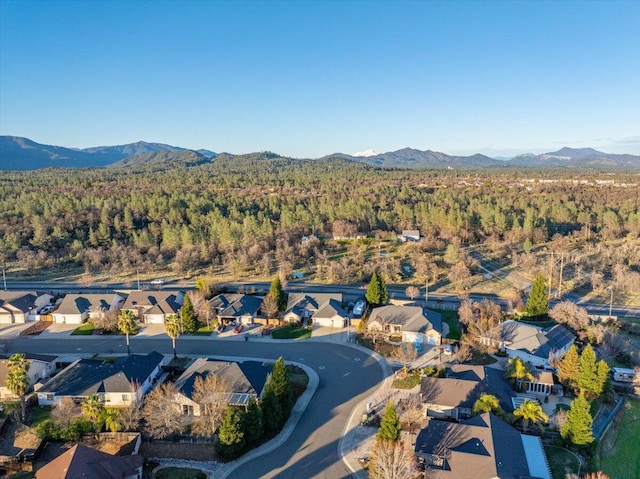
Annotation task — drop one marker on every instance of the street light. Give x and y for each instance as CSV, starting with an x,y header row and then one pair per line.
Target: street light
x,y
610,301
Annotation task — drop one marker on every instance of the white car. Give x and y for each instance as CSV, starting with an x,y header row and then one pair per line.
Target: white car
x,y
448,350
157,281
358,308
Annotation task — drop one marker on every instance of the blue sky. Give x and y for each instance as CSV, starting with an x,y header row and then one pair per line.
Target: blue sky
x,y
306,79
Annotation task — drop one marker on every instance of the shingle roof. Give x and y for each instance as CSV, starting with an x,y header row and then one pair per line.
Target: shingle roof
x,y
83,462
90,376
411,318
158,302
81,303
298,302
330,309
24,301
483,447
241,305
463,386
534,340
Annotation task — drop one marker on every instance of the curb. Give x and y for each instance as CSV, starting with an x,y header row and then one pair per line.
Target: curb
x,y
276,442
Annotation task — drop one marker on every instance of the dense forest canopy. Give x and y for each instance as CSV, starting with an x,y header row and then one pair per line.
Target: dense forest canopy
x,y
247,214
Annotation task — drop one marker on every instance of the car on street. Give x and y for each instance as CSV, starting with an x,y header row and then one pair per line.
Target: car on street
x,y
448,350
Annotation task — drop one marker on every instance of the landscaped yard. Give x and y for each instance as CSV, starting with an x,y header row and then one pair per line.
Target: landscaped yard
x,y
618,452
204,331
561,461
451,318
291,332
84,330
410,381
179,473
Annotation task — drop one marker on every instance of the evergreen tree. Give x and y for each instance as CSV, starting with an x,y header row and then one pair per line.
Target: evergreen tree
x,y
373,291
188,316
538,303
389,429
569,367
231,439
271,411
486,403
253,426
382,287
280,382
277,292
18,380
578,427
602,374
588,378
518,371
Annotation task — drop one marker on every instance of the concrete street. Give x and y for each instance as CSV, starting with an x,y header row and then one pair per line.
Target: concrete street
x,y
347,376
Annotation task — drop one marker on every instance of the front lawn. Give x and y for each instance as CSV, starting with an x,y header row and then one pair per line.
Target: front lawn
x,y
39,414
291,332
84,330
451,318
204,331
618,453
180,473
410,381
561,461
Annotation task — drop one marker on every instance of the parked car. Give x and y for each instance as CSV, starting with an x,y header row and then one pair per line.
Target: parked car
x,y
358,308
238,328
220,328
448,350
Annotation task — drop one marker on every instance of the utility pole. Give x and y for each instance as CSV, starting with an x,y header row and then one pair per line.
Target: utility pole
x,y
550,272
610,301
560,281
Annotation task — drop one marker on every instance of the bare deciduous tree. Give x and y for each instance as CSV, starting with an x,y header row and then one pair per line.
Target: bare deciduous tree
x,y
558,419
406,353
391,460
270,306
107,320
482,321
130,416
211,394
412,292
463,352
572,315
64,411
160,412
411,411
201,306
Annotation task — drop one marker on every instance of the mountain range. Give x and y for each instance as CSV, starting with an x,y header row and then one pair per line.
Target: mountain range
x,y
17,153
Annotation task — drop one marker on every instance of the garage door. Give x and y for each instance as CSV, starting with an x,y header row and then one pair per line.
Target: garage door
x,y
432,340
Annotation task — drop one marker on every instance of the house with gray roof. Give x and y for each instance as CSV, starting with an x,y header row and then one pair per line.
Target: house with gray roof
x,y
40,367
18,306
154,307
242,380
117,383
454,395
84,462
533,344
482,447
77,308
303,307
241,308
409,322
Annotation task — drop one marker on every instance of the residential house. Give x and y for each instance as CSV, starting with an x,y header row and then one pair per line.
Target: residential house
x,y
18,306
409,235
482,447
118,383
40,367
541,384
77,308
241,308
154,307
533,344
454,395
319,309
408,322
245,380
84,462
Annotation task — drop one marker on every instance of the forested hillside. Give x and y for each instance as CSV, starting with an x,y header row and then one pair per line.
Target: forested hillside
x,y
246,215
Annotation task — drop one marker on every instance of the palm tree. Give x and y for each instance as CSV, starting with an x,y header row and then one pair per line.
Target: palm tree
x,y
127,325
173,331
517,371
92,407
18,380
112,419
531,413
486,403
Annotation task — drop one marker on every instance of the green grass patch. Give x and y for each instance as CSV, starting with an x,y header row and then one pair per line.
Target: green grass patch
x,y
451,318
291,332
561,461
618,452
39,414
204,331
410,381
180,473
85,330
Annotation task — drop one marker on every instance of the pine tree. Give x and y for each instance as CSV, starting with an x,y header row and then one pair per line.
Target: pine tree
x,y
188,316
602,374
231,438
569,367
389,429
271,411
281,384
578,427
373,291
253,425
277,292
382,286
538,303
588,378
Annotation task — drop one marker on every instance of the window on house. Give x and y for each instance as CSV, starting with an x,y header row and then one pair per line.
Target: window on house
x,y
125,397
49,397
187,410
